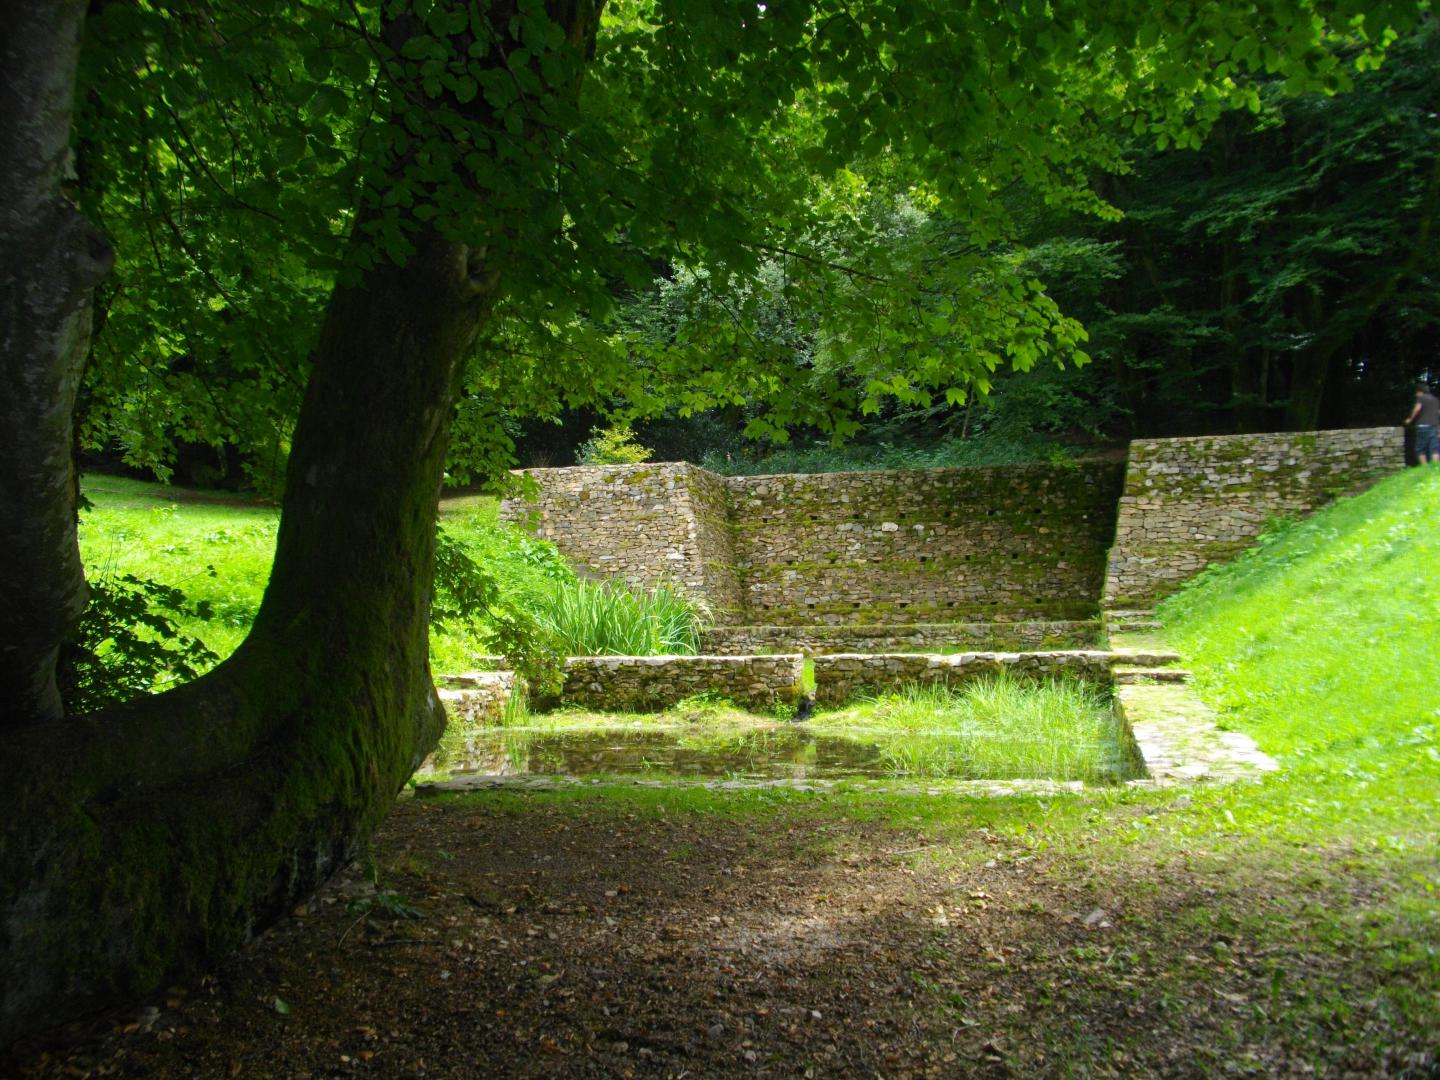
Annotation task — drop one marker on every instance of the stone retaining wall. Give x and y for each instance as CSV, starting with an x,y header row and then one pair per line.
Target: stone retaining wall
x,y
642,523
923,545
840,678
478,697
640,683
819,640
1188,503
863,560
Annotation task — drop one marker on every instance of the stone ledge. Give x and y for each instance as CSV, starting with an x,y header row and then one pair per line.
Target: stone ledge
x,y
893,637
642,683
1180,741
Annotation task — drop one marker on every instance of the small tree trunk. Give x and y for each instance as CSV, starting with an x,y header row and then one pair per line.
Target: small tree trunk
x,y
51,259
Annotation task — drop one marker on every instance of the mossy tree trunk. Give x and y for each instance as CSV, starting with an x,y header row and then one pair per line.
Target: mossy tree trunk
x,y
156,837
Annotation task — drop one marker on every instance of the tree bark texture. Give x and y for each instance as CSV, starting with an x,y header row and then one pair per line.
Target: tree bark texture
x,y
154,838
161,834
51,259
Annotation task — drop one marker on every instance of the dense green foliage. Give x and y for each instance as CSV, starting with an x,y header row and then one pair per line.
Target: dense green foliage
x,y
128,643
1281,277
837,236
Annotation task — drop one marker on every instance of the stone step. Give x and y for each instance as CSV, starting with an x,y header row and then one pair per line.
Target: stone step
x,y
1122,614
820,639
1136,676
1145,658
1133,626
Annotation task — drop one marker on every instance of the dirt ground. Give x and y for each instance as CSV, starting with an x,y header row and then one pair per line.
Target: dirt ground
x,y
582,940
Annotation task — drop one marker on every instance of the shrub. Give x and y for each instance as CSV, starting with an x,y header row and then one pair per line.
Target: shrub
x,y
612,446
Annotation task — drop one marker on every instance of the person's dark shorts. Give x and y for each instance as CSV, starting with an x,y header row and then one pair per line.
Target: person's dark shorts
x,y
1427,440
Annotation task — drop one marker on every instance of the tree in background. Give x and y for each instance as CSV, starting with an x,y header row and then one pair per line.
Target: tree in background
x,y
1283,277
470,180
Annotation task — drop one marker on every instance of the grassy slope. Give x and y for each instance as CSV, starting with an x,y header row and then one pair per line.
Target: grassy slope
x,y
174,536
1324,645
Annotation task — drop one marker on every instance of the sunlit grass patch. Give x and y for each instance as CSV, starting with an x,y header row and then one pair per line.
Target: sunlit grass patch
x,y
995,728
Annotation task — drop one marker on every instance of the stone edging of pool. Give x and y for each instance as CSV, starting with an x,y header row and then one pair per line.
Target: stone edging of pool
x,y
1175,733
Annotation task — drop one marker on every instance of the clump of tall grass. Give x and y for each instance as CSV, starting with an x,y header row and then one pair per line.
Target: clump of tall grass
x,y
600,618
999,727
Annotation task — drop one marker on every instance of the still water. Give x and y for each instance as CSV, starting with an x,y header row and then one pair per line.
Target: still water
x,y
777,752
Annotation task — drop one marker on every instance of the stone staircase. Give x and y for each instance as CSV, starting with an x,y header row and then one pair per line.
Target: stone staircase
x,y
1131,621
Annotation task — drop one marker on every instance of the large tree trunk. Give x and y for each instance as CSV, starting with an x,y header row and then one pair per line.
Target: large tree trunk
x,y
51,259
161,834
155,837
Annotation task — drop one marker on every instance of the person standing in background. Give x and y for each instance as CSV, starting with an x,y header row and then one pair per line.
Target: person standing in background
x,y
1426,418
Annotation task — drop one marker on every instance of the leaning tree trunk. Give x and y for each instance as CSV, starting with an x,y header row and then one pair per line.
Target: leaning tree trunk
x,y
162,833
158,836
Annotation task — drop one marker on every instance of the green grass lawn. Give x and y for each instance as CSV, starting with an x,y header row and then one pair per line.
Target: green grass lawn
x,y
218,548
213,546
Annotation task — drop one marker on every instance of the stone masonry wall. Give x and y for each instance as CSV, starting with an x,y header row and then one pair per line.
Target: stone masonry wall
x,y
924,545
476,698
820,640
642,523
1188,503
637,683
714,547
840,678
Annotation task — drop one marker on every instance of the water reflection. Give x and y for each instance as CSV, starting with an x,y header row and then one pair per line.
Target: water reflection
x,y
780,752
769,753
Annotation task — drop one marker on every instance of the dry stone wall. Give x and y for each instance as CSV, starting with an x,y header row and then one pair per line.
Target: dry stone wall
x,y
923,545
477,698
713,550
1188,503
821,640
842,677
639,683
1004,557
642,523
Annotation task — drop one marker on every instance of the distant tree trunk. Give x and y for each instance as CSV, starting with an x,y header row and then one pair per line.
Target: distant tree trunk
x,y
51,259
159,835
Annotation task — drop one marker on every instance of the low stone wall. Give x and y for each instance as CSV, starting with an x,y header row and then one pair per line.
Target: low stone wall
x,y
842,677
477,697
640,683
1188,503
919,637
